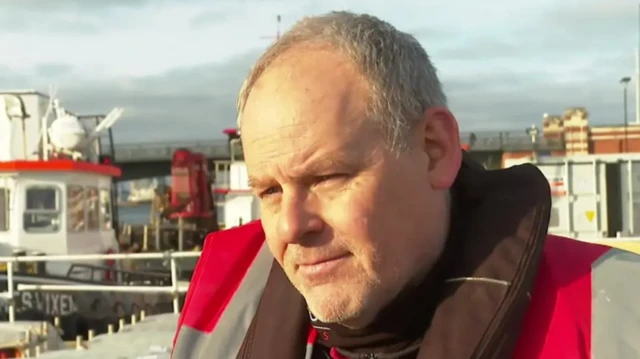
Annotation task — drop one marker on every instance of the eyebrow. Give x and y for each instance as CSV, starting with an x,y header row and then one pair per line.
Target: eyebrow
x,y
315,168
254,182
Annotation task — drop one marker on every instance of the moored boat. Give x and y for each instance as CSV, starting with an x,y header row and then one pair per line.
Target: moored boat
x,y
58,197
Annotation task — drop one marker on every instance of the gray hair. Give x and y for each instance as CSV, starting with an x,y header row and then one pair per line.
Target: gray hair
x,y
402,80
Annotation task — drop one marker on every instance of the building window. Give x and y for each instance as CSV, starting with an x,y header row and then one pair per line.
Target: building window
x,y
42,212
105,209
5,195
93,209
75,208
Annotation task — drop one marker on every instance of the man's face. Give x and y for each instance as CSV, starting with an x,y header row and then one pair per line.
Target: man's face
x,y
350,222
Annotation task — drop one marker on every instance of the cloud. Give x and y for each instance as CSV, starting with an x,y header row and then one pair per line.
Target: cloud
x,y
60,16
207,18
198,103
80,6
176,66
195,103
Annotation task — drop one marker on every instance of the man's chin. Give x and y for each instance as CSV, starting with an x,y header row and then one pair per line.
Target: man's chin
x,y
330,305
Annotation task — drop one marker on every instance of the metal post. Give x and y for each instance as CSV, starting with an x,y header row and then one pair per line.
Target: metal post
x,y
145,238
174,284
180,234
638,86
638,73
12,308
626,120
625,82
630,189
278,32
533,134
157,234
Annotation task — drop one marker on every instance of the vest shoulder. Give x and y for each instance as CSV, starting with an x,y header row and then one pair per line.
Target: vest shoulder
x,y
246,233
225,251
568,259
226,257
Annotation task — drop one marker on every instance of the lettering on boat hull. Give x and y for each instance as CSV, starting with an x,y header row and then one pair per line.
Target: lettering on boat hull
x,y
47,303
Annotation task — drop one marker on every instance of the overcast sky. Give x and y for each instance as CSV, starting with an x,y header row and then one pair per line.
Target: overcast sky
x,y
176,66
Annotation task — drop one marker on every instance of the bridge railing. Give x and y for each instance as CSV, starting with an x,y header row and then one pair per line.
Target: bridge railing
x,y
219,148
510,141
162,151
175,289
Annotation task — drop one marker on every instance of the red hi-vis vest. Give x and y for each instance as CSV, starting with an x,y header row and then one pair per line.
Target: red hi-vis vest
x,y
585,303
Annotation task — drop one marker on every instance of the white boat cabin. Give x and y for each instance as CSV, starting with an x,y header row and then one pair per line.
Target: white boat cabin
x,y
55,194
57,206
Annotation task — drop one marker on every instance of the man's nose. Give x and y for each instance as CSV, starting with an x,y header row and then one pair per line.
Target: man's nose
x,y
297,219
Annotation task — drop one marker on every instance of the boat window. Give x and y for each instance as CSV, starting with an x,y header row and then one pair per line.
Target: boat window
x,y
93,209
5,194
42,212
105,211
75,208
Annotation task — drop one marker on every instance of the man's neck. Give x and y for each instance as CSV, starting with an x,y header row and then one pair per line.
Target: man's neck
x,y
402,323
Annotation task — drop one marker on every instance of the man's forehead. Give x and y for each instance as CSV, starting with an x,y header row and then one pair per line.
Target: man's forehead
x,y
298,142
295,165
311,80
313,108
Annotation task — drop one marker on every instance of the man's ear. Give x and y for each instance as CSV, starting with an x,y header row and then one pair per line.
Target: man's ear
x,y
440,137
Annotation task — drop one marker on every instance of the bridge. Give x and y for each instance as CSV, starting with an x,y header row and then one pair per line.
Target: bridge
x,y
153,159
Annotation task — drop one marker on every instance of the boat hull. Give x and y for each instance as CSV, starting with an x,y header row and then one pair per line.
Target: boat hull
x,y
75,312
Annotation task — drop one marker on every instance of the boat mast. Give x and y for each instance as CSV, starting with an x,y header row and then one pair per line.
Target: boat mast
x,y
278,32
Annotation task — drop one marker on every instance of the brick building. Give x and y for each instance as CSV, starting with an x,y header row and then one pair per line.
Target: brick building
x,y
573,130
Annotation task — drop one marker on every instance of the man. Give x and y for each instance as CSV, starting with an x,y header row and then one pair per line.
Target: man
x,y
388,241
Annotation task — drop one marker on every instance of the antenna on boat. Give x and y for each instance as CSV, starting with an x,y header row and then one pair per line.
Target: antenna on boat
x,y
44,123
12,108
105,124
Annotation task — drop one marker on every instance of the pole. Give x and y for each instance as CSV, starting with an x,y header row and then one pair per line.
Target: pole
x,y
278,26
638,85
11,293
626,118
638,73
174,286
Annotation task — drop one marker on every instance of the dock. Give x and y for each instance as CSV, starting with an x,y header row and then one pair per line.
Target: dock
x,y
144,338
32,337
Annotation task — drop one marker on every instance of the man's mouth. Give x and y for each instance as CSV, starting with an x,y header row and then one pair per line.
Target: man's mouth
x,y
321,266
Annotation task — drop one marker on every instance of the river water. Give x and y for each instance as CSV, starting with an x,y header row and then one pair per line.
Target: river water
x,y
138,214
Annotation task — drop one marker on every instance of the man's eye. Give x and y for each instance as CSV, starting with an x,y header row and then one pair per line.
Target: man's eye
x,y
330,177
269,191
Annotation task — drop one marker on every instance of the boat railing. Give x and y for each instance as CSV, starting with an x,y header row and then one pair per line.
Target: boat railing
x,y
128,276
154,232
175,288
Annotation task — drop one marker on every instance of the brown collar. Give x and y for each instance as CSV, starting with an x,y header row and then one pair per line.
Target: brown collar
x,y
487,293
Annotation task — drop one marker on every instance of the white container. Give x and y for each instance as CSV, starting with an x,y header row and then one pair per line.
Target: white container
x,y
594,196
